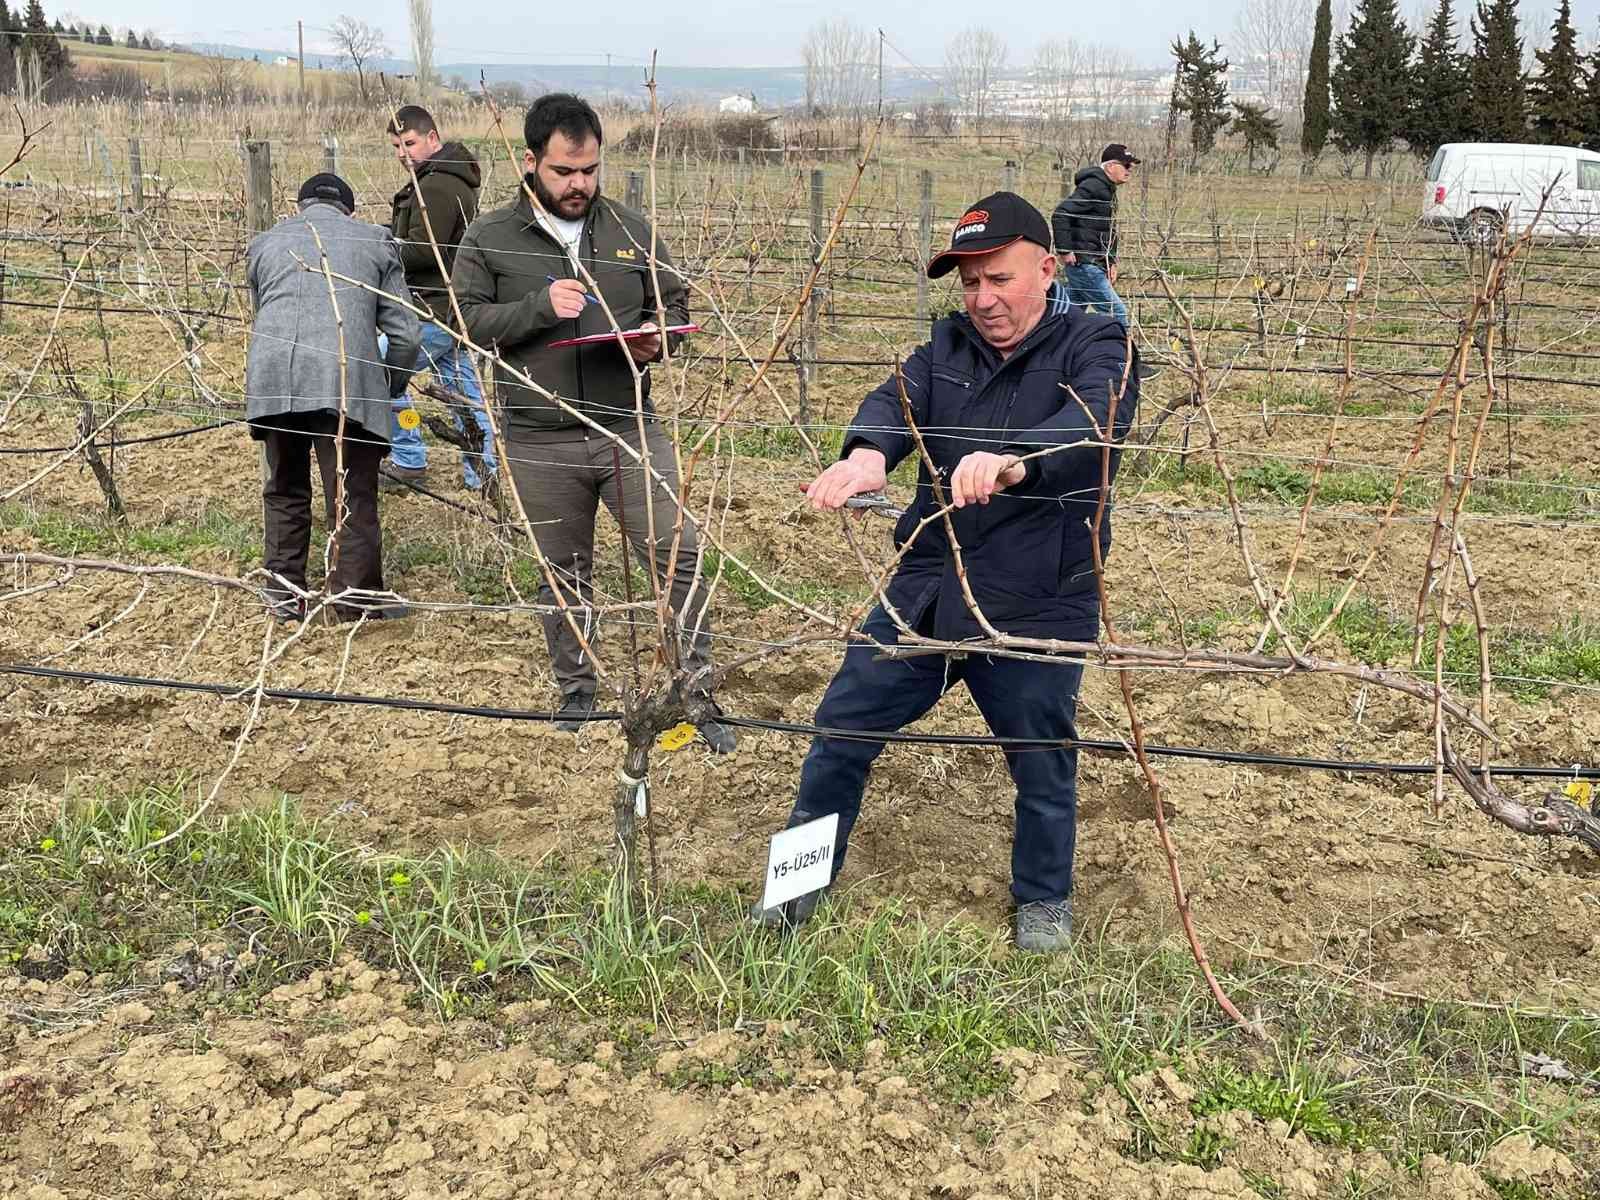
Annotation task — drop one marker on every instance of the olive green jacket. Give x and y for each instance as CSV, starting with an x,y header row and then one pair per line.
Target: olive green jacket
x,y
502,280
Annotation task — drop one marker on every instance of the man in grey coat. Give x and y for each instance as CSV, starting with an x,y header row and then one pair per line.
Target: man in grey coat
x,y
303,395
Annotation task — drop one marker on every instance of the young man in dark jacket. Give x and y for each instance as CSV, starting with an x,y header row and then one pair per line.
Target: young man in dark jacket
x,y
1018,373
519,286
1085,226
431,211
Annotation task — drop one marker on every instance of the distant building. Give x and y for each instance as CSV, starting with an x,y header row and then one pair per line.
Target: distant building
x,y
737,104
285,60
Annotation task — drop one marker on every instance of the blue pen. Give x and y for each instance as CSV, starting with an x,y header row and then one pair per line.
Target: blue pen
x,y
588,298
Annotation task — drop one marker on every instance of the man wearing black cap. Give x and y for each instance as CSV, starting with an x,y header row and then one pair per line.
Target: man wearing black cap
x,y
1085,225
1008,395
315,382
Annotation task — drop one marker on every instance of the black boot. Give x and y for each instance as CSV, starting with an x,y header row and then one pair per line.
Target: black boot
x,y
789,915
574,711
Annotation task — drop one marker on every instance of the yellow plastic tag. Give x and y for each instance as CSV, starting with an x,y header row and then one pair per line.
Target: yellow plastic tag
x,y
1177,346
408,418
677,737
1311,243
1580,791
1261,282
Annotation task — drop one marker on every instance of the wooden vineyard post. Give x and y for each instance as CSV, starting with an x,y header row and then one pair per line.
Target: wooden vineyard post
x,y
258,186
924,245
330,154
258,211
808,331
634,197
136,174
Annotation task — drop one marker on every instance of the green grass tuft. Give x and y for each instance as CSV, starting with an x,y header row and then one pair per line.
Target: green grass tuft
x,y
89,884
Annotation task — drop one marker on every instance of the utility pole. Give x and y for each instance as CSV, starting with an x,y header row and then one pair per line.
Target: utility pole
x,y
880,74
300,32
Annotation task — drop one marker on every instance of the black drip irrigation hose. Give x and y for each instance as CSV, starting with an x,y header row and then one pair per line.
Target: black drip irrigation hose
x,y
1092,746
118,442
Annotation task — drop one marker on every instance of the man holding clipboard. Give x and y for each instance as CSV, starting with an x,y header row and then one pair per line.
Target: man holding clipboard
x,y
521,293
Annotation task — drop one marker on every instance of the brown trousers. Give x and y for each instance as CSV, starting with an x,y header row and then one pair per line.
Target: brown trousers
x,y
562,484
356,552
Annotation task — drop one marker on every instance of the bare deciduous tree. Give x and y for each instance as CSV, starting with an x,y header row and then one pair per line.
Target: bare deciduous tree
x,y
1101,109
1274,37
224,75
973,60
840,68
1057,65
421,12
357,43
508,94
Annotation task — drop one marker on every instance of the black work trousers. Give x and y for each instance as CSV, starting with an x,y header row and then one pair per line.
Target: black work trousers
x,y
355,552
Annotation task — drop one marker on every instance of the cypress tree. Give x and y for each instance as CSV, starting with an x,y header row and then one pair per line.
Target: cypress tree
x,y
8,46
53,59
1441,95
1557,94
1499,95
1371,95
1314,131
1200,90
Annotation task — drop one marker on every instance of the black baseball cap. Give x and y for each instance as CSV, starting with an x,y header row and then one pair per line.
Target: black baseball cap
x,y
991,224
329,187
1117,152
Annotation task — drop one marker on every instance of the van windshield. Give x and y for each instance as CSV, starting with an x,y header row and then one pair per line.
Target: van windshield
x,y
1436,166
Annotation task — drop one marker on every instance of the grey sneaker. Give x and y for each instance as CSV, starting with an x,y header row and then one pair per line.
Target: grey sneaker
x,y
790,915
1044,926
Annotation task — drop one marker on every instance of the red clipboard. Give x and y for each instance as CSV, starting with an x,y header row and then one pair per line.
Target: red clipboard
x,y
628,335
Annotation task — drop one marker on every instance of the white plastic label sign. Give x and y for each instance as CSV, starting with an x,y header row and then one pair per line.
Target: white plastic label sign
x,y
801,860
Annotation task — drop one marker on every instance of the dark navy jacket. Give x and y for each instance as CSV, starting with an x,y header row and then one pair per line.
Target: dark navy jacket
x,y
1027,552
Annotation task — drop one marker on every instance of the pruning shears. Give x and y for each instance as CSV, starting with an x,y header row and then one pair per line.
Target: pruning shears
x,y
875,502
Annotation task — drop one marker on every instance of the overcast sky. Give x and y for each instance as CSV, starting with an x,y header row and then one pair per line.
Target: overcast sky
x,y
712,33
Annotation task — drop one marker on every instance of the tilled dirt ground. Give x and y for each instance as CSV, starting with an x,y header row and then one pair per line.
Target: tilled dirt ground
x,y
332,1090
1352,872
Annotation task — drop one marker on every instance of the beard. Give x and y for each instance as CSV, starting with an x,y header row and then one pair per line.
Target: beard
x,y
553,205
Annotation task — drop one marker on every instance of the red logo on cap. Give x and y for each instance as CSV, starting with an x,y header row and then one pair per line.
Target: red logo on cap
x,y
973,217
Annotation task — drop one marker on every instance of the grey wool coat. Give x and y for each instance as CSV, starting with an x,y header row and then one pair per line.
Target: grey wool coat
x,y
293,364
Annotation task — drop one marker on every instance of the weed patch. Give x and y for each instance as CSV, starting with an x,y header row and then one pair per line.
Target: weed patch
x,y
89,884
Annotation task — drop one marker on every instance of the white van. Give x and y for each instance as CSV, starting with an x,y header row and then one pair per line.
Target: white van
x,y
1476,187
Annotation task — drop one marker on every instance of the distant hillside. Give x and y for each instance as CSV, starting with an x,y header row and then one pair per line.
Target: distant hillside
x,y
187,66
773,87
